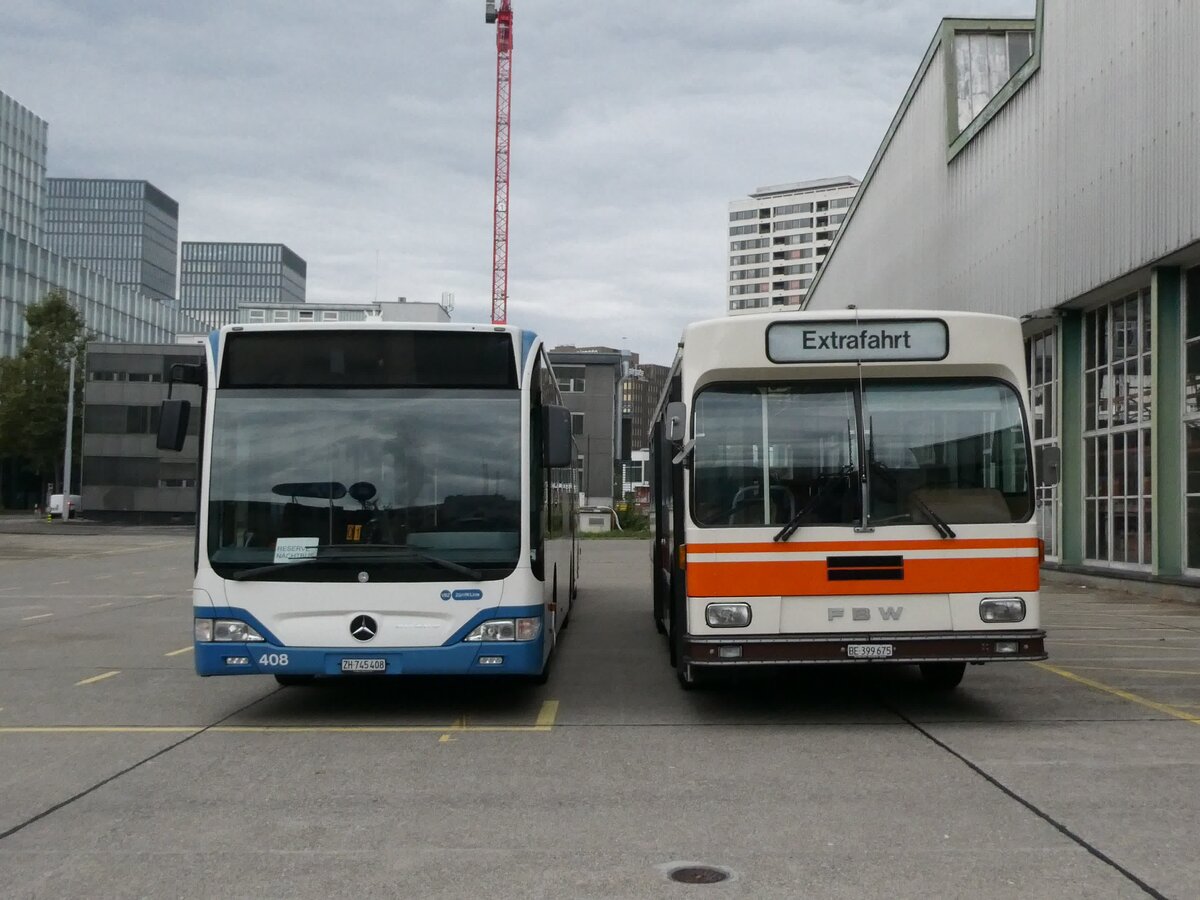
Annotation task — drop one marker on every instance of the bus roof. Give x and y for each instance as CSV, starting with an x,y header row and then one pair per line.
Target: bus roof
x,y
828,343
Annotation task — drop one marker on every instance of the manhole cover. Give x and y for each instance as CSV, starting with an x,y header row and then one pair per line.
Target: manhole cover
x,y
698,875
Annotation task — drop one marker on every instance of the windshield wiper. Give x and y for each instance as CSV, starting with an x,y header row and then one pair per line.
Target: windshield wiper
x,y
364,554
793,524
940,525
934,519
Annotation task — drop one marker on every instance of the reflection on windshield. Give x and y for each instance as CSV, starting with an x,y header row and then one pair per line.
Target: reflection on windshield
x,y
956,449
808,464
396,482
938,452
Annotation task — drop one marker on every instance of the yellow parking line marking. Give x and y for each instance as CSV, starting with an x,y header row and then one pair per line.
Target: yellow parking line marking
x,y
99,677
1165,708
1157,644
180,650
99,729
547,715
546,718
1125,669
40,616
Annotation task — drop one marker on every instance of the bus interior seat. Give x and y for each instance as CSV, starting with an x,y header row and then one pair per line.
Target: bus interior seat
x,y
747,505
983,505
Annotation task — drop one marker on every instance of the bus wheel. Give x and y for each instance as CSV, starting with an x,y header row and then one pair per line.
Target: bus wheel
x,y
692,678
295,680
943,676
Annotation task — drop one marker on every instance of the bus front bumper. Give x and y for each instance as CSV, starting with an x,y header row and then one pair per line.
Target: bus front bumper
x,y
475,658
825,649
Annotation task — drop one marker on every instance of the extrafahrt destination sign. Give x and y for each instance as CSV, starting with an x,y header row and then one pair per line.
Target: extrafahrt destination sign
x,y
870,341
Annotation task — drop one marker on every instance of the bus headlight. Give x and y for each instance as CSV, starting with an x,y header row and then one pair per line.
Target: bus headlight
x,y
506,630
224,630
1002,609
727,615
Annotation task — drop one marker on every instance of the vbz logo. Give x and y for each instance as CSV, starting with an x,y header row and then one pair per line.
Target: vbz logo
x,y
863,613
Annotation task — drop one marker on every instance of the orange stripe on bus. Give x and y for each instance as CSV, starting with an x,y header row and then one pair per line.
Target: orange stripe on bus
x,y
866,547
810,578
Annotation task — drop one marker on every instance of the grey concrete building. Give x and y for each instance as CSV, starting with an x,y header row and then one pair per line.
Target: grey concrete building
x,y
125,230
314,311
588,379
1045,168
123,474
215,278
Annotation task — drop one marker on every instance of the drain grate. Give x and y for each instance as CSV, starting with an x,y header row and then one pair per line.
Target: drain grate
x,y
698,875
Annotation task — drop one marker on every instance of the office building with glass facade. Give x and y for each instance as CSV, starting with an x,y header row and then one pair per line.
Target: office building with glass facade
x,y
126,230
30,269
216,278
22,170
1032,171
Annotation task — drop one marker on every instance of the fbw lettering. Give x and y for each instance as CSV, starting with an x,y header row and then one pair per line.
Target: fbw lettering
x,y
863,613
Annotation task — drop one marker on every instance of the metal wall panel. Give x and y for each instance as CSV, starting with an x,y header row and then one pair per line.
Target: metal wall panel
x,y
1090,171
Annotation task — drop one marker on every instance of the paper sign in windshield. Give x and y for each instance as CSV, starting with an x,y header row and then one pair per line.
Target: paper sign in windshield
x,y
290,549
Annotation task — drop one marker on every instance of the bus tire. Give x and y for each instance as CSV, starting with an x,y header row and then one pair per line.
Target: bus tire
x,y
543,676
943,676
295,680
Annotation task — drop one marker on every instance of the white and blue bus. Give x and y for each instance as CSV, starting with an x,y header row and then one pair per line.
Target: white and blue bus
x,y
390,498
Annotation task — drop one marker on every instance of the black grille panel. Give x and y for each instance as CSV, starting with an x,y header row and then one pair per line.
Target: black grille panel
x,y
865,568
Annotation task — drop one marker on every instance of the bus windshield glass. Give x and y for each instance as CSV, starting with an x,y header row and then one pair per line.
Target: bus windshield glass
x,y
954,448
403,485
800,440
949,450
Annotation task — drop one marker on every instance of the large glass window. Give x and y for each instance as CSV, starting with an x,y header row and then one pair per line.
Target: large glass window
x,y
406,485
1116,422
1041,356
954,451
1191,415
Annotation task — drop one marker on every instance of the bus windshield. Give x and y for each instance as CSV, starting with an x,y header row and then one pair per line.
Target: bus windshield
x,y
404,485
948,450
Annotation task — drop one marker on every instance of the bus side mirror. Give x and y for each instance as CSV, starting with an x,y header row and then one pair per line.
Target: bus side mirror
x,y
556,431
1048,466
172,424
676,421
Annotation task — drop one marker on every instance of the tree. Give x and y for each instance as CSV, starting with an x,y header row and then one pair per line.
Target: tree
x,y
33,387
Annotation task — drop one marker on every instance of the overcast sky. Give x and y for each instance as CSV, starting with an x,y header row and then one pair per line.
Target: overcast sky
x,y
363,131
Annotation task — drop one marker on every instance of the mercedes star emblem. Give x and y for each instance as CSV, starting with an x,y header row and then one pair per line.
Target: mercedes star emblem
x,y
363,577
363,628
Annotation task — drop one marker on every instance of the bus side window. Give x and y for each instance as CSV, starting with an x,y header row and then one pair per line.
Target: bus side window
x,y
537,476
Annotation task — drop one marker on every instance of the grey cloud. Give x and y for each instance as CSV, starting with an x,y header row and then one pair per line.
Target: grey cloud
x,y
360,128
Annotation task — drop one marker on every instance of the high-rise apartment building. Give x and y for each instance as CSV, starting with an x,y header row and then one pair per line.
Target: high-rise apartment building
x,y
778,238
215,278
126,230
22,170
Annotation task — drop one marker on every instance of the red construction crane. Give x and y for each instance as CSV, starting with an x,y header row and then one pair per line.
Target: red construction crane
x,y
503,20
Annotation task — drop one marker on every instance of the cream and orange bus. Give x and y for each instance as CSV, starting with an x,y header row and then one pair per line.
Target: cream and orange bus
x,y
847,486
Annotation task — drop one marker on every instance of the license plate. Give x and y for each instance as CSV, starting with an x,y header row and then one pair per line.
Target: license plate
x,y
364,665
869,651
